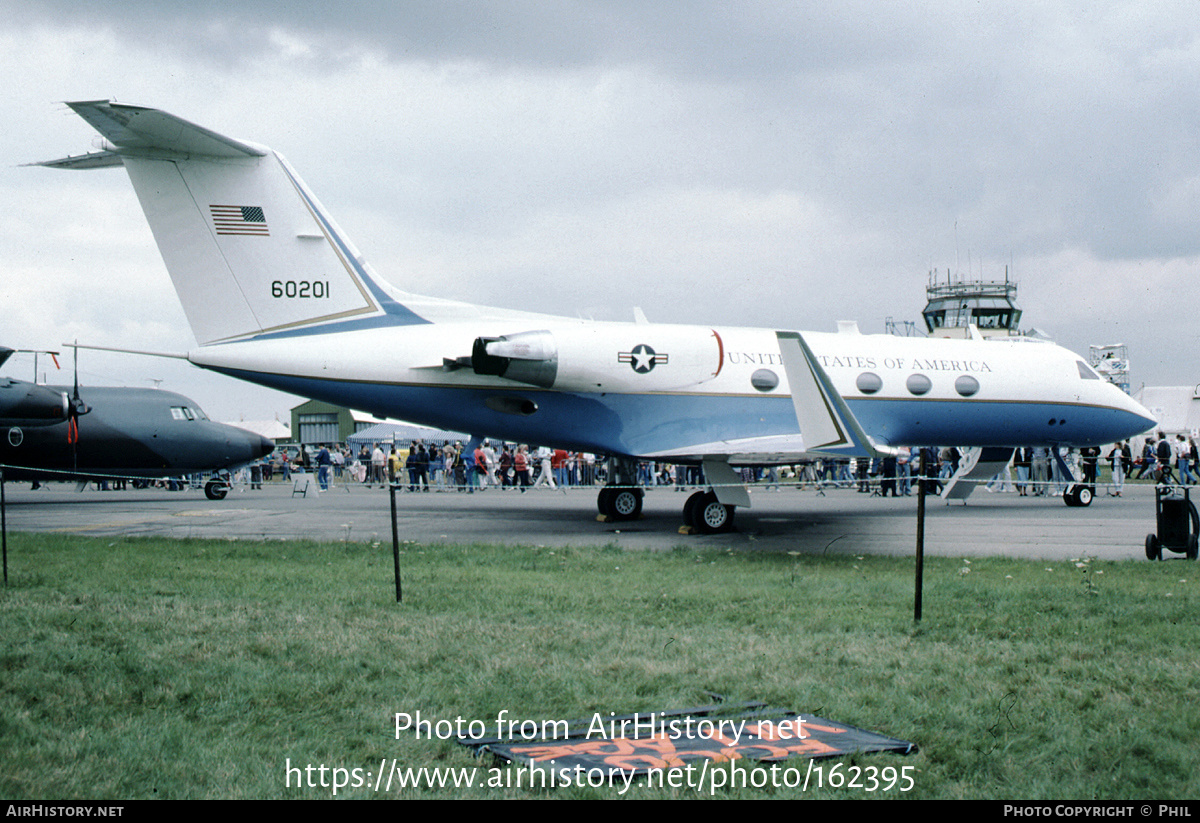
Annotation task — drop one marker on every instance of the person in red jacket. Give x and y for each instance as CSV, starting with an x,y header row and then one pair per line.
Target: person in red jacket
x,y
558,464
521,467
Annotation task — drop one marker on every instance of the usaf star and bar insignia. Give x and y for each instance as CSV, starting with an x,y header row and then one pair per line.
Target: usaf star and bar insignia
x,y
642,359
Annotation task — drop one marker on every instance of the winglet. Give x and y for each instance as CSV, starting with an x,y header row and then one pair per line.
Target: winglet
x,y
826,422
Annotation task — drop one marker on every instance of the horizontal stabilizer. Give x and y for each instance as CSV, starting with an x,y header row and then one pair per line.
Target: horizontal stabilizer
x,y
137,127
92,160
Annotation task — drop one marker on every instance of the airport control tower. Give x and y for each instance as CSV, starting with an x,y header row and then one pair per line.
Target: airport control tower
x,y
952,305
1112,363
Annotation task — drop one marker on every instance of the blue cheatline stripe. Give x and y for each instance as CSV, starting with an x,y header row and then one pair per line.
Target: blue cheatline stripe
x,y
638,424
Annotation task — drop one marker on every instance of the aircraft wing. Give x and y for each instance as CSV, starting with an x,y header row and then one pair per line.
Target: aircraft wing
x,y
781,449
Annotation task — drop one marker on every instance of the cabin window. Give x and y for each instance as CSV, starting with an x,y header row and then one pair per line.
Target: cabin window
x,y
966,385
868,382
764,380
918,384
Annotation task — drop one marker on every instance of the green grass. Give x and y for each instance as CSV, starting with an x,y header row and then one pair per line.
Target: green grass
x,y
175,669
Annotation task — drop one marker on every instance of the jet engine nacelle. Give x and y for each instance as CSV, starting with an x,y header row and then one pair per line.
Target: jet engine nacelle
x,y
633,357
527,357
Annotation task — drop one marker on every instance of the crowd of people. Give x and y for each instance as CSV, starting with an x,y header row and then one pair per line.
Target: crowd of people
x,y
450,466
453,466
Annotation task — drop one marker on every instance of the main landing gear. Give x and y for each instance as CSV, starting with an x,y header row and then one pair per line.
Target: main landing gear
x,y
702,512
705,514
620,503
621,499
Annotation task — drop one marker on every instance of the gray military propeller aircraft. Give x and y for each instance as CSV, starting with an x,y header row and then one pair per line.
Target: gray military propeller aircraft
x,y
47,433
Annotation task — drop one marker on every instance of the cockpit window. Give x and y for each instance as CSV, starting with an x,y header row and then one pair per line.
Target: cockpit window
x,y
1086,372
182,413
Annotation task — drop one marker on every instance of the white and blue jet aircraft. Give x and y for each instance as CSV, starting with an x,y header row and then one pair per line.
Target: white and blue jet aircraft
x,y
276,294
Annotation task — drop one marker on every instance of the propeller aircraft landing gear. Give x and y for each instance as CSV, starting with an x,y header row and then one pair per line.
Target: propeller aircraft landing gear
x,y
218,486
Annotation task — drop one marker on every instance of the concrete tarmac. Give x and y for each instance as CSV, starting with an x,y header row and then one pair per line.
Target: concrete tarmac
x,y
788,520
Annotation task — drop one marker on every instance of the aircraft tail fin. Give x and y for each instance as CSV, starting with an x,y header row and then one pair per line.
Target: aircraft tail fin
x,y
249,249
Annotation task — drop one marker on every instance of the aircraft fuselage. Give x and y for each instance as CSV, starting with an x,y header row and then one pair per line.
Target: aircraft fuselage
x,y
127,432
644,389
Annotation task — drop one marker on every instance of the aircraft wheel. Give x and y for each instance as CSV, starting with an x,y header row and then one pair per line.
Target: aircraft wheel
x,y
712,516
1193,547
1153,547
604,501
690,508
216,490
1071,495
625,504
1083,496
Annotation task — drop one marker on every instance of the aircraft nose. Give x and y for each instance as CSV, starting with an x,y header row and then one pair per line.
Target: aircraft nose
x,y
1134,417
253,446
244,446
265,447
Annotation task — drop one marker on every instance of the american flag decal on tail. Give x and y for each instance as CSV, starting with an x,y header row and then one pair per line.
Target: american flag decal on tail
x,y
239,220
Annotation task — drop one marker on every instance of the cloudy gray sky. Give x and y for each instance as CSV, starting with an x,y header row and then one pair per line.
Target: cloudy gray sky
x,y
781,164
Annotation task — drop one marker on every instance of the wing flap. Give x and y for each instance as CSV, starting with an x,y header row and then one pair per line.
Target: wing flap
x,y
747,451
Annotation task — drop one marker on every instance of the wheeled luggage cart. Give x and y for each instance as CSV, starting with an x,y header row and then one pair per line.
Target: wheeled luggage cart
x,y
1177,521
